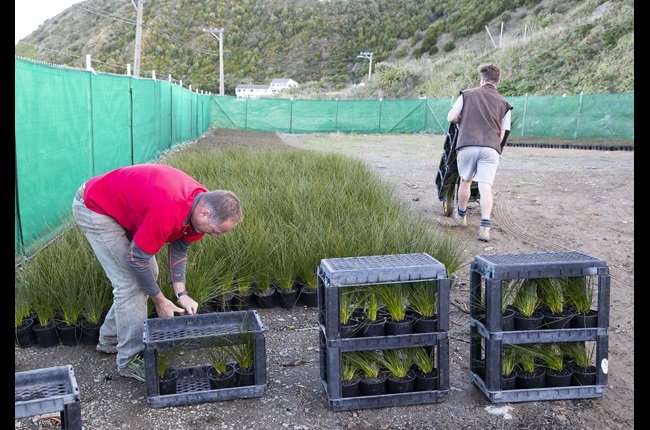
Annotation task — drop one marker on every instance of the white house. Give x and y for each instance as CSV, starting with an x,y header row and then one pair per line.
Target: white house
x,y
279,84
253,90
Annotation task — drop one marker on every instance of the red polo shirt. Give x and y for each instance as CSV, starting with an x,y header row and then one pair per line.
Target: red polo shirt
x,y
151,201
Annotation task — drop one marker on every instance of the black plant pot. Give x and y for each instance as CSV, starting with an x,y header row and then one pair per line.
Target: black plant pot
x,y
423,324
89,333
559,320
394,327
508,320
266,299
533,322
588,320
350,388
372,386
46,336
244,377
425,381
350,328
243,301
287,299
309,297
222,380
527,380
584,376
558,378
24,333
371,328
404,384
69,334
167,382
509,382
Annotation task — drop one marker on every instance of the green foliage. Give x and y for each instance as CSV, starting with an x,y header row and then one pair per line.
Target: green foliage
x,y
395,299
397,361
348,302
580,352
549,291
349,369
509,360
321,40
525,299
552,355
423,357
423,297
578,291
368,362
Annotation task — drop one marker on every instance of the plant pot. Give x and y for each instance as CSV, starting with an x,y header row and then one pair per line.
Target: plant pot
x,y
350,328
244,377
509,382
533,322
69,334
425,381
266,299
584,376
508,321
394,327
350,388
46,336
405,384
89,333
224,302
371,328
222,380
287,298
588,320
309,297
167,382
557,321
243,301
558,378
24,333
422,324
373,386
527,380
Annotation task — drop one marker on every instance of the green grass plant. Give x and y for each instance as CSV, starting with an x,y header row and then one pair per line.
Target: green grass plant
x,y
397,361
368,362
423,297
578,291
549,291
395,299
423,357
525,298
509,360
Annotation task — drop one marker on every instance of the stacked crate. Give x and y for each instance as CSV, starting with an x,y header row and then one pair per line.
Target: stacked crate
x,y
191,332
487,274
337,273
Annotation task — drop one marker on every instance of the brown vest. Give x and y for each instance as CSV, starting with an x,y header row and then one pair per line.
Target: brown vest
x,y
480,124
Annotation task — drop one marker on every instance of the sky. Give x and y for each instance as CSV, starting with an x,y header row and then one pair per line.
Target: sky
x,y
32,13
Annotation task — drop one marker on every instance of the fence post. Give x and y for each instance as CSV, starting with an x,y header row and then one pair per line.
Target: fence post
x,y
575,135
523,118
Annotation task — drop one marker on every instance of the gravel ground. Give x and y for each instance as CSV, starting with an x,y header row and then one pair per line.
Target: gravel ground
x,y
546,200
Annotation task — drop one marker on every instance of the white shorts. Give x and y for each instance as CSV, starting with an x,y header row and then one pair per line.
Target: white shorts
x,y
477,163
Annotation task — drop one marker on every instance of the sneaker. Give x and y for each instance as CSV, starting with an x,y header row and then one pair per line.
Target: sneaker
x,y
484,234
135,368
460,220
107,348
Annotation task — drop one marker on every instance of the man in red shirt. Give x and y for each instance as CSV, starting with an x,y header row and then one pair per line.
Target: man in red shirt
x,y
127,215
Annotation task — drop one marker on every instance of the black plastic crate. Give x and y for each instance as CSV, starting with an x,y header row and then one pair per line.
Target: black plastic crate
x,y
53,389
333,275
330,369
191,331
336,273
486,335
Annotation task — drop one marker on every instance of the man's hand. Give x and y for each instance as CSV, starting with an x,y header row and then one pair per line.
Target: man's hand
x,y
189,305
167,308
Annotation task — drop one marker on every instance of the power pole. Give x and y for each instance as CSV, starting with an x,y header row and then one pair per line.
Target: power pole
x,y
138,39
367,55
220,38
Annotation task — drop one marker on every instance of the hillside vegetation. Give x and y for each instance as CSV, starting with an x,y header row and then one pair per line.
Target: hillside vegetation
x,y
419,47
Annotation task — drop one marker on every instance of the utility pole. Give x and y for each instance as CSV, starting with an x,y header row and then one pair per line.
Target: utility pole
x,y
367,55
138,39
220,38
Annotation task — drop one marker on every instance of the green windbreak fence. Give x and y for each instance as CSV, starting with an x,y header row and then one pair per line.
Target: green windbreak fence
x,y
72,124
595,116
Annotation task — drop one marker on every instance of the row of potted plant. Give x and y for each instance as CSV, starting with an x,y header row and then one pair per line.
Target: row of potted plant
x,y
546,303
547,365
388,371
387,309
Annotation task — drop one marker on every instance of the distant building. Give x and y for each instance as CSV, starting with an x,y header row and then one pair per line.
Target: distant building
x,y
252,90
279,84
